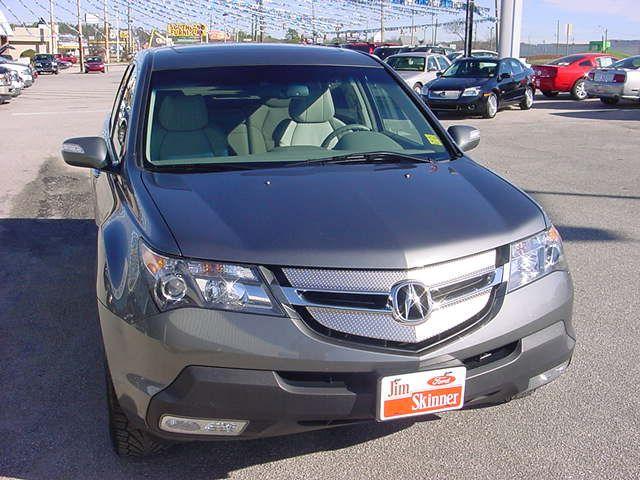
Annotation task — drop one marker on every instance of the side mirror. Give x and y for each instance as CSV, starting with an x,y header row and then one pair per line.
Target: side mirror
x,y
438,74
467,138
86,152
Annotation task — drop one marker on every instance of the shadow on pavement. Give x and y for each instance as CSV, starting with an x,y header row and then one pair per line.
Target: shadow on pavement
x,y
53,420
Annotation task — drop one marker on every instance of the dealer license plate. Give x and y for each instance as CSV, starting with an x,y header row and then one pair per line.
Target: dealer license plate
x,y
420,393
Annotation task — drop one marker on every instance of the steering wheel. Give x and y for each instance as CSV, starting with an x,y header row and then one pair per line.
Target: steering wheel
x,y
354,127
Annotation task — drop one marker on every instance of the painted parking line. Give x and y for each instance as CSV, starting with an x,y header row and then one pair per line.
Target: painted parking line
x,y
22,114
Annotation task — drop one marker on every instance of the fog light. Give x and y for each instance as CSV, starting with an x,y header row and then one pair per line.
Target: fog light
x,y
548,376
202,426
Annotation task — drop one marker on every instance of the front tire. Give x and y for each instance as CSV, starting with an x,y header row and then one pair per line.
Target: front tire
x,y
609,100
579,92
527,101
126,440
490,106
549,94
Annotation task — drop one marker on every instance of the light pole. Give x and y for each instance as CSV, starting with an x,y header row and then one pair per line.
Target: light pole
x,y
81,53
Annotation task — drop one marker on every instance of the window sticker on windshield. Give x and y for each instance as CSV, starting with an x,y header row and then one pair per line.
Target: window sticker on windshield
x,y
432,139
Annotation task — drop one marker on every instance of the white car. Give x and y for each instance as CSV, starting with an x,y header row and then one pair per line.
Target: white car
x,y
24,71
474,53
618,81
418,68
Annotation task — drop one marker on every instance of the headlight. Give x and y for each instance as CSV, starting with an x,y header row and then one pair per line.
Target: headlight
x,y
472,92
535,257
180,282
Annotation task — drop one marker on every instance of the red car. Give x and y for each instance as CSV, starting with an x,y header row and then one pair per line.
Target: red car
x,y
93,64
567,74
66,58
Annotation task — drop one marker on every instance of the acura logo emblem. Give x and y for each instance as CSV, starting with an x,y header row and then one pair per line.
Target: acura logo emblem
x,y
410,302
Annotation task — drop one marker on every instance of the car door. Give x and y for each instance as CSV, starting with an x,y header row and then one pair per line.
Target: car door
x,y
520,79
115,134
506,82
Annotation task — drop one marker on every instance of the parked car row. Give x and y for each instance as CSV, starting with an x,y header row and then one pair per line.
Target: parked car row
x,y
14,78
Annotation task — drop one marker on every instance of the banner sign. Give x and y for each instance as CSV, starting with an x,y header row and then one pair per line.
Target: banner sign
x,y
186,30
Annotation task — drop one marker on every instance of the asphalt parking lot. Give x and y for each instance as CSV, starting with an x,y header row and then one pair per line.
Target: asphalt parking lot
x,y
580,160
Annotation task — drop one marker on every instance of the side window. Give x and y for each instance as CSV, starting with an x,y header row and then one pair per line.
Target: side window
x,y
432,65
121,112
443,63
504,68
604,61
516,66
586,63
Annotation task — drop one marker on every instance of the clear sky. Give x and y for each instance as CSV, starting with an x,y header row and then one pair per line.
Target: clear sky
x,y
589,17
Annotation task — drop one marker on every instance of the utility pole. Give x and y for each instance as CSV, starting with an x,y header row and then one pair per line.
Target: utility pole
x,y
381,21
558,38
604,45
129,36
435,32
81,53
107,53
313,21
497,24
261,24
54,48
468,28
412,26
569,30
117,32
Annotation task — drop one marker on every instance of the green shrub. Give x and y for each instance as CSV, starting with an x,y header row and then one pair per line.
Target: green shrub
x,y
28,53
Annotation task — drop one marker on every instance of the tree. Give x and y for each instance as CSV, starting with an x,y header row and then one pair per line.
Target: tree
x,y
292,36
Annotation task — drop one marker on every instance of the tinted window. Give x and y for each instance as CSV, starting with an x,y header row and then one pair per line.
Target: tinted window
x,y
586,63
567,60
407,63
472,68
516,66
631,62
122,110
443,63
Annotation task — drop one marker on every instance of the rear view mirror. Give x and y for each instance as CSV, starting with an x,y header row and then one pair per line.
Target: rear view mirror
x,y
86,152
467,138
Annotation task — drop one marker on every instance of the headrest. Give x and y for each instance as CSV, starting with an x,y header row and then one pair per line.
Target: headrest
x,y
315,108
183,113
278,102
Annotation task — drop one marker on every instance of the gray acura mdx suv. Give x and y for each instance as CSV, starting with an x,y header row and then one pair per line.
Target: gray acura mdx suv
x,y
289,240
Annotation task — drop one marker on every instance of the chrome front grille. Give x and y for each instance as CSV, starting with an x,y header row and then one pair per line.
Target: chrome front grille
x,y
444,94
356,302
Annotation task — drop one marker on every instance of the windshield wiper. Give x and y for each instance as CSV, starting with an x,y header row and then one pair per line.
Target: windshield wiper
x,y
367,157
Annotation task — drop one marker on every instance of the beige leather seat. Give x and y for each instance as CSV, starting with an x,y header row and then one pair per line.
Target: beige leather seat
x,y
182,130
257,133
312,119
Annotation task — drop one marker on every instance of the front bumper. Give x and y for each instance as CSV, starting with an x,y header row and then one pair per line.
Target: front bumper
x,y
46,69
285,378
469,105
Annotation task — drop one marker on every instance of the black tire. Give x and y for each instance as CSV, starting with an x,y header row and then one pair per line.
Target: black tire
x,y
550,94
609,100
578,92
489,111
56,72
527,101
126,440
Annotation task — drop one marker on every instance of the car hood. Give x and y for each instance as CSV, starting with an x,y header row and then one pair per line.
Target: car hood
x,y
408,75
349,216
457,83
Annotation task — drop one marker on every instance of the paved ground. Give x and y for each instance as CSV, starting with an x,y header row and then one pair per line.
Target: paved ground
x,y
581,160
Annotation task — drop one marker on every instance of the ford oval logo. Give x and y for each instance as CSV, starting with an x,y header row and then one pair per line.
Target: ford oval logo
x,y
441,380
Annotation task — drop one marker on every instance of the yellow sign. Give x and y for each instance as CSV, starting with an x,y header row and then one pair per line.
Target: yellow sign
x,y
186,30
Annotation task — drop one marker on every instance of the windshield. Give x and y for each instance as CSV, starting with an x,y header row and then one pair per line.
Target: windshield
x,y
94,60
43,57
631,63
406,63
208,117
566,60
472,68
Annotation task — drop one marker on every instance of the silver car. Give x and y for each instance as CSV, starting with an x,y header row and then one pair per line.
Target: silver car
x,y
620,80
417,68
